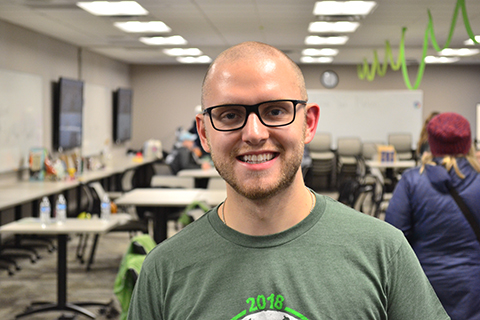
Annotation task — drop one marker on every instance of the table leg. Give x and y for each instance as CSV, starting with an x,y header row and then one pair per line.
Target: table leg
x,y
160,224
61,304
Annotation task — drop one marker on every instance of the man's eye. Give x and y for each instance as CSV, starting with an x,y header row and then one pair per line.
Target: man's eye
x,y
276,112
230,116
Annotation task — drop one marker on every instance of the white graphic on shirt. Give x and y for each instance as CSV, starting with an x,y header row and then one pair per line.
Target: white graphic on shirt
x,y
269,315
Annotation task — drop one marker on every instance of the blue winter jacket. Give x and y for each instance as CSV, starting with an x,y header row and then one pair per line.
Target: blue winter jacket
x,y
439,233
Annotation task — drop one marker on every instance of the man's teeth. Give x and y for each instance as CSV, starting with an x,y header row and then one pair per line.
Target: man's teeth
x,y
257,158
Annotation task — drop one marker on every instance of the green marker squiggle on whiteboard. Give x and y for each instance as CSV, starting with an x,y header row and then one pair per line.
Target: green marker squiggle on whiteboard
x,y
365,71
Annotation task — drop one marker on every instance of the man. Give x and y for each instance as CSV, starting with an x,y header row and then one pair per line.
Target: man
x,y
274,249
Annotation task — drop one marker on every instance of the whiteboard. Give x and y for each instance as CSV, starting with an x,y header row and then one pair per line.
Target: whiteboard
x,y
21,120
97,119
369,115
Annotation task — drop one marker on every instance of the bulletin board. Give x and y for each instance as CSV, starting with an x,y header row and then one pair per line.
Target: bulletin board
x,y
369,115
21,120
97,119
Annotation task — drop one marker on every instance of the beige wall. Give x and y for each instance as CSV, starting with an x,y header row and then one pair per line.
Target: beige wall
x,y
165,96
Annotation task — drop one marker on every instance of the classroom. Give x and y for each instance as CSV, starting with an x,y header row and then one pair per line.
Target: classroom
x,y
165,94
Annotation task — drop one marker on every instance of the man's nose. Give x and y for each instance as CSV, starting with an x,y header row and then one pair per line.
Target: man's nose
x,y
254,131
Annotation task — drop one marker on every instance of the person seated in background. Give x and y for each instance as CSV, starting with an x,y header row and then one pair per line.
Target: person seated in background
x,y
422,145
184,154
423,208
275,249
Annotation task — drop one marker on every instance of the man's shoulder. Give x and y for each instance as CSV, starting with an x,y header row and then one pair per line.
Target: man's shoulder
x,y
353,223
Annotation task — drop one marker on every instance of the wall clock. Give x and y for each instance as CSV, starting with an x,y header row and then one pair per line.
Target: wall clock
x,y
329,79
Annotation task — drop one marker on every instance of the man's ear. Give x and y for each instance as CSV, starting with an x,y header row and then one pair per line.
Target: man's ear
x,y
199,118
312,117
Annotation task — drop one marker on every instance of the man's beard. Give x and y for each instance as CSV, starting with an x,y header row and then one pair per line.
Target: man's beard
x,y
257,191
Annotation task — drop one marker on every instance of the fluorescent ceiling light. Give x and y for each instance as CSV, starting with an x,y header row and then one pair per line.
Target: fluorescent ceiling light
x,y
432,59
320,52
142,26
470,42
119,8
328,8
176,52
201,59
463,52
159,41
340,26
316,40
307,59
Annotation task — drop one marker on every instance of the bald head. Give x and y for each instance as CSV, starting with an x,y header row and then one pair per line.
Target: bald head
x,y
251,53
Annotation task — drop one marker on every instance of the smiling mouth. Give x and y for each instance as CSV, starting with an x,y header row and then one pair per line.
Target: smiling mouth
x,y
257,158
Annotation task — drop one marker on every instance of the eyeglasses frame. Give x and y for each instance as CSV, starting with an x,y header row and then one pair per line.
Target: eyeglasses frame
x,y
254,108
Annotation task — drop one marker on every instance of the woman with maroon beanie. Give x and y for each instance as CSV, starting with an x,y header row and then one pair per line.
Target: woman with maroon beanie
x,y
423,208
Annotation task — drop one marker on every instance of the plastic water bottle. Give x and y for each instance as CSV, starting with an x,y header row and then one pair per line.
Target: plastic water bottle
x,y
45,211
61,209
105,208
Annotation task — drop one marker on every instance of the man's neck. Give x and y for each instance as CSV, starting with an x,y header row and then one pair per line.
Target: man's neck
x,y
267,216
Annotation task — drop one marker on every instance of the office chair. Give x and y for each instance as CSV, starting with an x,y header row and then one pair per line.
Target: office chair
x,y
349,153
369,150
23,246
402,142
131,224
124,185
371,195
323,158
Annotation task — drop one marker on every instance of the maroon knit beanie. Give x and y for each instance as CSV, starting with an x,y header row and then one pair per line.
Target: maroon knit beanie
x,y
449,134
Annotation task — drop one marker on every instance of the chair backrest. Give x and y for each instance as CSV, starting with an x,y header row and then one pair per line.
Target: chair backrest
x,y
142,178
369,150
321,142
349,147
126,181
85,203
402,142
97,192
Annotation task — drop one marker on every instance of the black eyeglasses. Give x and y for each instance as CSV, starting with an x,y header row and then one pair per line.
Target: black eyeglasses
x,y
274,113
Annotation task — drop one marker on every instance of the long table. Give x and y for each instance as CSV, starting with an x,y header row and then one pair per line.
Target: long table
x,y
389,169
400,164
33,226
21,192
163,201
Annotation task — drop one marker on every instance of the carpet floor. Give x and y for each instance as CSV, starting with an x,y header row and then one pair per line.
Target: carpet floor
x,y
38,281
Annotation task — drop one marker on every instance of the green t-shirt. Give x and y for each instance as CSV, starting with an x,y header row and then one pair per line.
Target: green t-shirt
x,y
336,264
